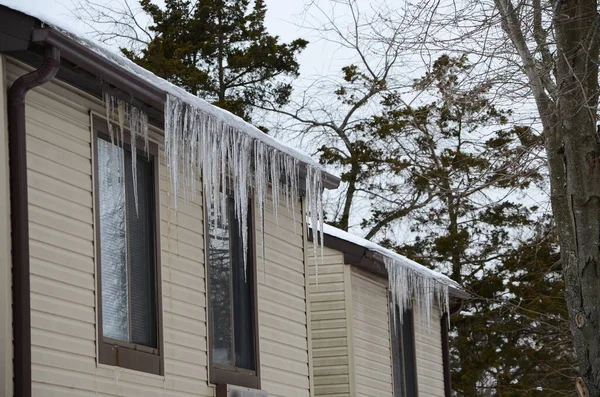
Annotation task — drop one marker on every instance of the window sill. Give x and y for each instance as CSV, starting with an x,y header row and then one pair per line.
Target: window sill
x,y
220,376
131,358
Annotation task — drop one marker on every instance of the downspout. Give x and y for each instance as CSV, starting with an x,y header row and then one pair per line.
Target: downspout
x,y
19,216
445,330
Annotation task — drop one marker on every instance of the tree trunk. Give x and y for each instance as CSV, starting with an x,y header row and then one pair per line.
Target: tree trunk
x,y
572,144
344,220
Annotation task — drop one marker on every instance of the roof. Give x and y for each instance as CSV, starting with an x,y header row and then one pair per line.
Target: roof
x,y
373,257
153,89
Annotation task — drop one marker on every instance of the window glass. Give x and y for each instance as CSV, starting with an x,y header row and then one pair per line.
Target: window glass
x,y
403,353
113,238
127,247
232,293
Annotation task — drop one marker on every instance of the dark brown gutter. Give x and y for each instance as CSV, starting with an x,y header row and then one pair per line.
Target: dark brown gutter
x,y
100,66
19,217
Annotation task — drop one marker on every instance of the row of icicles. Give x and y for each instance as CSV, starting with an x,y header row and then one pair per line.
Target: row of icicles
x,y
199,144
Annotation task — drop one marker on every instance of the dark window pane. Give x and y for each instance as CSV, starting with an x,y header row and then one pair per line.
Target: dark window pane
x,y
232,294
243,298
140,224
113,240
398,364
403,353
408,350
220,291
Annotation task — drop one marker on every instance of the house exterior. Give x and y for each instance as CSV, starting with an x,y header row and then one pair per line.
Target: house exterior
x,y
358,347
111,284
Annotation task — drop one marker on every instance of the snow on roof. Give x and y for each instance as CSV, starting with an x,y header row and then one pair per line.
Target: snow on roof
x,y
48,15
395,257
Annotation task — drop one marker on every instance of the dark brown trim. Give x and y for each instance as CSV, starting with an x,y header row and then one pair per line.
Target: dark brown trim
x,y
100,66
119,353
445,329
19,217
218,374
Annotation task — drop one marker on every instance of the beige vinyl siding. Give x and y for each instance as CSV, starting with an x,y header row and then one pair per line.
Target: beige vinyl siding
x,y
63,285
63,272
282,304
428,349
329,326
371,335
6,373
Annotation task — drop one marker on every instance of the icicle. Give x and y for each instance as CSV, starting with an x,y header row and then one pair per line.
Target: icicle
x,y
121,117
228,160
408,285
134,121
107,101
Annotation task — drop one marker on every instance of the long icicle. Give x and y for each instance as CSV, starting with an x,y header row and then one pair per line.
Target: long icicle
x,y
222,155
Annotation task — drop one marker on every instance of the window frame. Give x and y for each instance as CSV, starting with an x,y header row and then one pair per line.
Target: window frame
x,y
111,351
219,374
413,361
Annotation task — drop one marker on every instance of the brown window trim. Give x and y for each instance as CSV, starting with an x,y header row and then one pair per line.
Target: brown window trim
x,y
219,374
110,351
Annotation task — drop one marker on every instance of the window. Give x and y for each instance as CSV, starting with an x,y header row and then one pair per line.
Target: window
x,y
403,352
127,256
232,306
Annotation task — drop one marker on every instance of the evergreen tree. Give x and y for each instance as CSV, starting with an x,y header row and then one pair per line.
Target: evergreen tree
x,y
220,50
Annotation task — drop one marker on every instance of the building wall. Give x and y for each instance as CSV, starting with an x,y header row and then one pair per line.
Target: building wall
x,y
5,258
282,306
329,326
428,349
371,335
351,335
63,283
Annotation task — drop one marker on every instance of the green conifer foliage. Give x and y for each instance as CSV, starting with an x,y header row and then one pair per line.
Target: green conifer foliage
x,y
220,50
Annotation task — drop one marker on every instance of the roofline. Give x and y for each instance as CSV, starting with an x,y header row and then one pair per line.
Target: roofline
x,y
112,74
369,260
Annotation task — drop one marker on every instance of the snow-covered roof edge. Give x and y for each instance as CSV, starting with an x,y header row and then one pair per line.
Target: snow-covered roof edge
x,y
351,238
409,282
121,61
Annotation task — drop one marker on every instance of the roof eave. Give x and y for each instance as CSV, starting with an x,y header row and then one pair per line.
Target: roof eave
x,y
113,74
372,261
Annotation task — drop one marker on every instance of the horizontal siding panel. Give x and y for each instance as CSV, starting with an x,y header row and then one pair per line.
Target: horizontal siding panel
x,y
54,254
57,307
287,313
70,226
80,347
331,361
283,350
59,188
78,142
53,271
286,377
60,239
50,168
371,336
56,204
62,325
68,293
325,306
332,390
